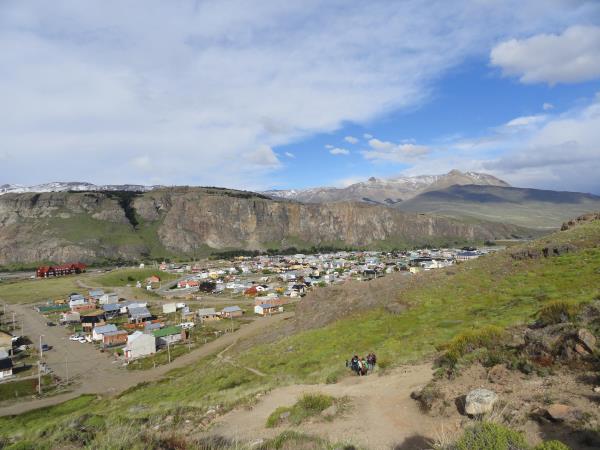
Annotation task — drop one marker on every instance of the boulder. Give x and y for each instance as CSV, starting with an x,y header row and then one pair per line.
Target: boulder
x,y
480,401
586,338
330,412
559,412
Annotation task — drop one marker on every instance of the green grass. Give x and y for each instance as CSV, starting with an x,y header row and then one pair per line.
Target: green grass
x,y
121,277
494,290
29,291
307,406
21,388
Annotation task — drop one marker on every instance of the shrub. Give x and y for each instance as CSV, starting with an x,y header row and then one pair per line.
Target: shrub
x,y
490,435
308,405
488,337
557,312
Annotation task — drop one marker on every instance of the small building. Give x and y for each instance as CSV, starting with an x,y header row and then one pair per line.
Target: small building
x,y
98,332
150,327
139,314
6,365
114,338
230,312
76,300
169,335
92,320
70,317
139,345
267,309
207,314
111,310
188,284
169,308
108,299
95,294
467,255
153,279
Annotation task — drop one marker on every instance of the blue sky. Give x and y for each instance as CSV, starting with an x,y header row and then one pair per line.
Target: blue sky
x,y
271,94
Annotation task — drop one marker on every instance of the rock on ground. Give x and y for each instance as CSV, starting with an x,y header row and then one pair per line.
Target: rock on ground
x,y
480,401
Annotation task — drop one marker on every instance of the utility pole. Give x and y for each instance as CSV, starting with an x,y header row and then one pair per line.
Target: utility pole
x,y
169,351
41,349
40,377
13,322
67,367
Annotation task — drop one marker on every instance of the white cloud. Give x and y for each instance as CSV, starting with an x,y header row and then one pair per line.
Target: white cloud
x,y
389,151
339,151
547,106
351,139
368,136
526,121
263,157
570,57
86,86
329,146
561,152
290,155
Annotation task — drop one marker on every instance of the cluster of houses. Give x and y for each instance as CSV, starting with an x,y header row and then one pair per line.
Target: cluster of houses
x,y
110,321
292,275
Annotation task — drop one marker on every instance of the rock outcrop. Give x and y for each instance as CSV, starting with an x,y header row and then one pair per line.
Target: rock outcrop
x,y
88,226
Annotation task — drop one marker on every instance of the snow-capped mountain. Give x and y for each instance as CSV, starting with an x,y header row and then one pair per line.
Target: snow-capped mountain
x,y
59,186
387,191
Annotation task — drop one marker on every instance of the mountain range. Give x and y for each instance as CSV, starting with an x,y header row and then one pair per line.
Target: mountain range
x,y
82,221
389,191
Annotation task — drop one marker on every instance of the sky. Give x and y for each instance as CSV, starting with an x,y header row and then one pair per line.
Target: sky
x,y
271,95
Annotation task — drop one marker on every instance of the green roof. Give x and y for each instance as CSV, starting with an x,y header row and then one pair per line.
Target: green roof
x,y
53,308
167,331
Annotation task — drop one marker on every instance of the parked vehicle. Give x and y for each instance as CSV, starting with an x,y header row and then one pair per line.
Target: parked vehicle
x,y
81,339
46,347
50,324
188,325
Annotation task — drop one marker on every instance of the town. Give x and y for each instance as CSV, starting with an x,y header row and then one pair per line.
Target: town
x,y
177,309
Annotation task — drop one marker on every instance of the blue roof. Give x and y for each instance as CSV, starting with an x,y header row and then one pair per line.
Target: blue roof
x,y
111,307
266,305
231,309
105,329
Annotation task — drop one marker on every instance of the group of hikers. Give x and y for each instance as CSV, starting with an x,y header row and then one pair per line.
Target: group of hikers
x,y
362,366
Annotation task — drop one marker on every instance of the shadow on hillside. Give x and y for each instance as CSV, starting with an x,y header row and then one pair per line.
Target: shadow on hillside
x,y
575,438
415,442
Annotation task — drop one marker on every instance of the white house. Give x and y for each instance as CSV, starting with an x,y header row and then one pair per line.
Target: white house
x,y
139,345
98,332
266,309
108,299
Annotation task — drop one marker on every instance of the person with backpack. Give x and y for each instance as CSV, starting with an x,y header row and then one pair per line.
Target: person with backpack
x,y
364,369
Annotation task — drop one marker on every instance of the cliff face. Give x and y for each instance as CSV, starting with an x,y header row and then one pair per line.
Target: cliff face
x,y
90,226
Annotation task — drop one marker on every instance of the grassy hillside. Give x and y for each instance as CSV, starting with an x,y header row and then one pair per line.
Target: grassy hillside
x,y
502,289
532,208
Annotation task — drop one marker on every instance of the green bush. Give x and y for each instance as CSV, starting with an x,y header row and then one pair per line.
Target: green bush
x,y
309,405
488,337
557,312
487,435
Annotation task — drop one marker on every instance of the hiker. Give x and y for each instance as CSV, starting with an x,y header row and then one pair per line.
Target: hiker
x,y
364,368
354,364
371,360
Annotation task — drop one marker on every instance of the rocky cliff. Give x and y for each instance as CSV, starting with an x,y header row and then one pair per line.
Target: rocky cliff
x,y
92,226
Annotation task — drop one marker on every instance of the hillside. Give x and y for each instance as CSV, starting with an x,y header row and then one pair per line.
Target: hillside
x,y
389,191
188,222
533,208
504,289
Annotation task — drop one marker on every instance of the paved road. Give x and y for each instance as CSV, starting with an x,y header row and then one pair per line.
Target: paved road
x,y
98,373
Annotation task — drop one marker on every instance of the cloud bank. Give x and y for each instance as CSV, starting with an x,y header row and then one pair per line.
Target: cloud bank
x,y
203,92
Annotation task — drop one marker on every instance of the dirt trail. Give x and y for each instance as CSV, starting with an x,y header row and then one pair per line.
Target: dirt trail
x,y
381,416
96,372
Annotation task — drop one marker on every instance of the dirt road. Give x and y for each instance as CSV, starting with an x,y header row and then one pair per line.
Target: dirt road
x,y
98,373
381,416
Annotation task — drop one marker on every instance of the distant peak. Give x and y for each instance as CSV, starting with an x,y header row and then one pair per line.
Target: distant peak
x,y
372,179
455,172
